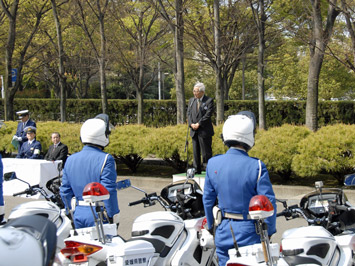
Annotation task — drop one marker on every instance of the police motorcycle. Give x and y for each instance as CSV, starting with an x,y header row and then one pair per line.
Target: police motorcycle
x,y
329,238
28,240
175,236
51,208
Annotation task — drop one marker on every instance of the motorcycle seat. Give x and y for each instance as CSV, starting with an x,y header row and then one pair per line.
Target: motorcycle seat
x,y
158,245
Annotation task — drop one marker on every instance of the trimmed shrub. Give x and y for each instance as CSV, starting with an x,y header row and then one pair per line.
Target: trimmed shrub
x,y
129,145
160,113
218,146
169,143
7,131
285,150
277,147
330,150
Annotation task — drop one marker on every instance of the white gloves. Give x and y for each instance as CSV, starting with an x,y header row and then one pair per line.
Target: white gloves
x,y
17,138
2,214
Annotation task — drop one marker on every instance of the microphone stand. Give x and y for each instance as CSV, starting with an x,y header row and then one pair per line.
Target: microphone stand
x,y
187,138
187,147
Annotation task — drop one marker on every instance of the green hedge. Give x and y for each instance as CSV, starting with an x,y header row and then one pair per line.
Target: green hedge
x,y
278,146
289,150
330,150
163,113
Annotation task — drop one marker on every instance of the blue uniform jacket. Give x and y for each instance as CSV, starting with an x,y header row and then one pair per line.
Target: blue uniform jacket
x,y
30,151
21,133
1,181
232,178
85,167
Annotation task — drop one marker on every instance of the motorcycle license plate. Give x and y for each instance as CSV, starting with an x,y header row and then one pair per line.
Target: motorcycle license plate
x,y
79,264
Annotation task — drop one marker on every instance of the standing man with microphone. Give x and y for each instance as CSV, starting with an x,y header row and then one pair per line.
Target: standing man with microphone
x,y
199,112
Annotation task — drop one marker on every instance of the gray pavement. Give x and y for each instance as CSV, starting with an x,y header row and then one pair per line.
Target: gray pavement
x,y
291,193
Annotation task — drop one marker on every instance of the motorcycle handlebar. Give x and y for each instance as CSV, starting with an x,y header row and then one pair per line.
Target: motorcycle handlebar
x,y
342,208
295,211
27,191
32,191
137,202
150,200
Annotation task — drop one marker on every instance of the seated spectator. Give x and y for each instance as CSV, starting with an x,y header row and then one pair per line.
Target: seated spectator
x,y
57,151
31,149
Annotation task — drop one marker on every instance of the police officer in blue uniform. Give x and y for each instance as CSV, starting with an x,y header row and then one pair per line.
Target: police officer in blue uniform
x,y
20,135
31,149
91,164
232,179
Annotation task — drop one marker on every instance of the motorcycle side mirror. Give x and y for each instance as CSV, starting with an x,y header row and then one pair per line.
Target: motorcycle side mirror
x,y
349,180
318,184
126,183
9,176
190,173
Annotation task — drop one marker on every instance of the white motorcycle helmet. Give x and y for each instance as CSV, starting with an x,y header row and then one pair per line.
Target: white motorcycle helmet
x,y
240,129
96,131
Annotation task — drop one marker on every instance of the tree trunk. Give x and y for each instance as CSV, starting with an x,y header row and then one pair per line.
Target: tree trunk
x,y
318,44
351,29
179,60
102,64
10,91
261,85
140,106
100,56
178,69
315,65
219,87
243,76
62,79
10,47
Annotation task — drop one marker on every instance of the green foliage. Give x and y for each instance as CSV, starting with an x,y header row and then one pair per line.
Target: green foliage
x,y
333,112
335,80
277,147
218,146
163,113
70,135
129,144
6,133
288,150
285,112
129,139
251,92
169,143
288,75
329,150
